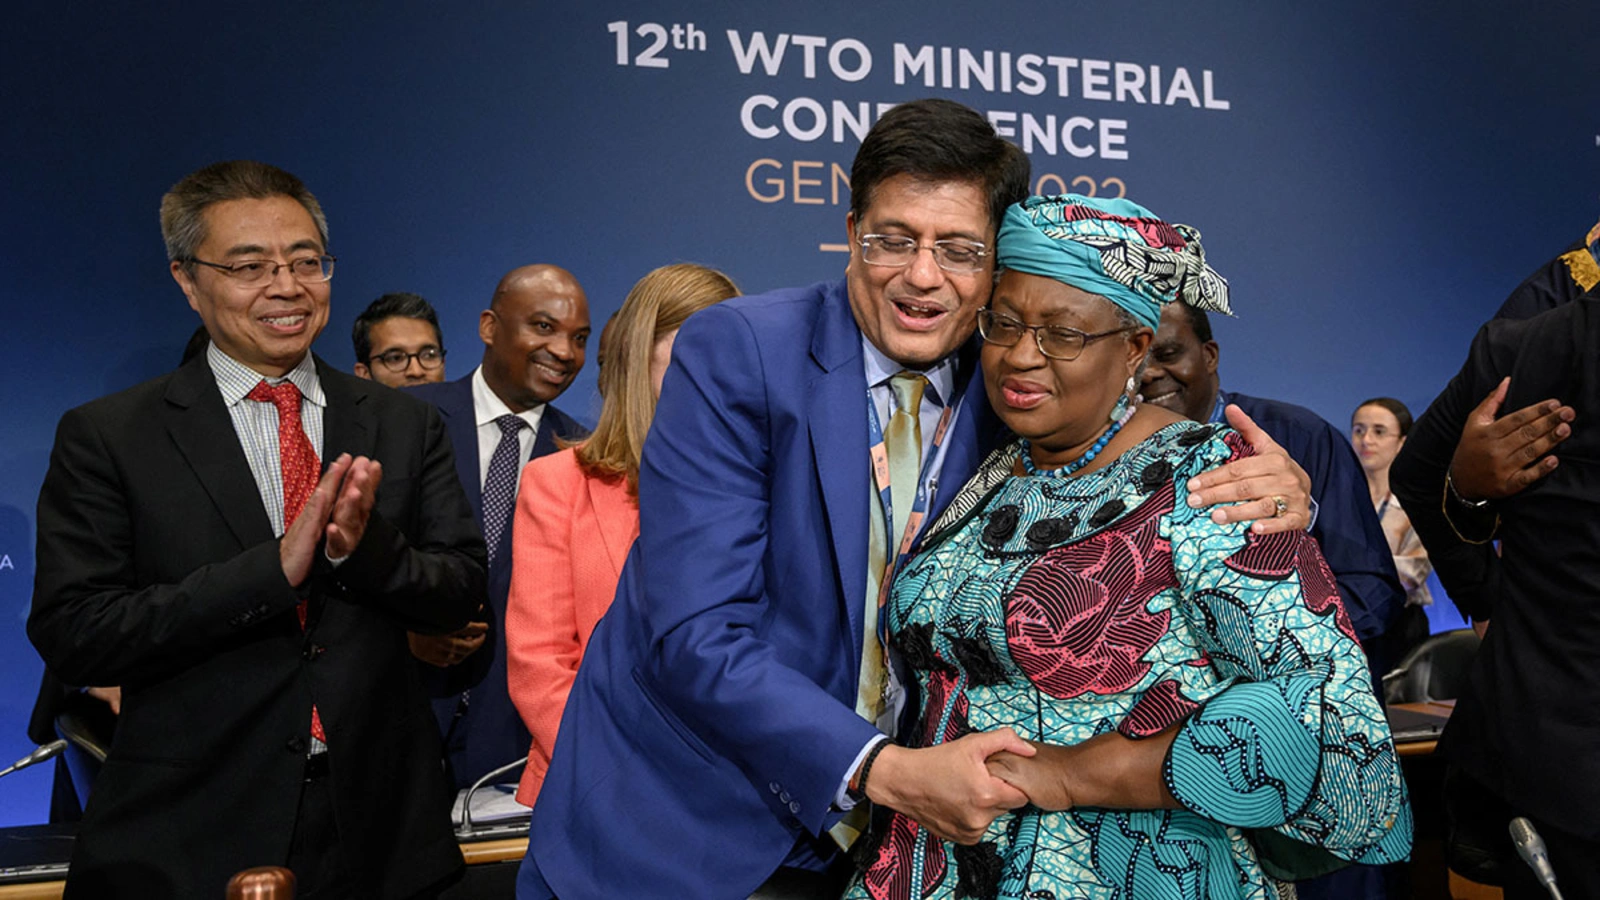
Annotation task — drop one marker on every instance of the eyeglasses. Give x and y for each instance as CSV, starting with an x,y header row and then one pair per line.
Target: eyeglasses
x,y
252,272
897,251
1054,341
398,360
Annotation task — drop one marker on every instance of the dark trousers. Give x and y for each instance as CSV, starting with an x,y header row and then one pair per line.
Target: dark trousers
x,y
1478,845
314,854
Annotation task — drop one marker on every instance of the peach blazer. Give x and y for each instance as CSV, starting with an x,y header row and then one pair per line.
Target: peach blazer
x,y
569,540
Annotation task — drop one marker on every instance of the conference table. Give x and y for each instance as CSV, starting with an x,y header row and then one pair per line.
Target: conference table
x,y
492,858
1416,728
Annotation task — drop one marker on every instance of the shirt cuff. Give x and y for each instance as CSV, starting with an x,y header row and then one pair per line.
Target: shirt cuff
x,y
841,797
1314,508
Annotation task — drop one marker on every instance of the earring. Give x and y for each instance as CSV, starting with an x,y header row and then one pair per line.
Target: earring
x,y
1125,403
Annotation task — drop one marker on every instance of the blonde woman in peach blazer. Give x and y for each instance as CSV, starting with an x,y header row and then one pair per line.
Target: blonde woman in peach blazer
x,y
577,513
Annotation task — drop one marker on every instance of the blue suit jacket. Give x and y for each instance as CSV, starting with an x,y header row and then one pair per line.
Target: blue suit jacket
x,y
489,732
713,716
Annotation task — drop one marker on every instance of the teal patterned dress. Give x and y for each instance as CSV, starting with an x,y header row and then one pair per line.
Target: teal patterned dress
x,y
1067,608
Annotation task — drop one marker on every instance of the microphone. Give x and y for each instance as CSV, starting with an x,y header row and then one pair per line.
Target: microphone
x,y
1532,850
39,755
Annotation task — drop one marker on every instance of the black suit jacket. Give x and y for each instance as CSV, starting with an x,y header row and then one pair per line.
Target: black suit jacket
x,y
488,733
1525,726
157,570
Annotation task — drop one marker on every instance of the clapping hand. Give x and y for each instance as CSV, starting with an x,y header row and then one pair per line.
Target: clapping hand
x,y
338,509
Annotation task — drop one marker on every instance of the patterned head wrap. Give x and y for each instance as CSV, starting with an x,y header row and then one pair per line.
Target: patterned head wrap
x,y
1114,248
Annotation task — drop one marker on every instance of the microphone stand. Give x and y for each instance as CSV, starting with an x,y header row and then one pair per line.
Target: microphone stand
x,y
40,754
465,828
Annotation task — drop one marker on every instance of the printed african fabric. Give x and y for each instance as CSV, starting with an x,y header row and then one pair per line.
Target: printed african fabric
x,y
1067,608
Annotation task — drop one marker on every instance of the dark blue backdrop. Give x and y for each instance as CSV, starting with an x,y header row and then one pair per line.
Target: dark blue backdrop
x,y
1383,175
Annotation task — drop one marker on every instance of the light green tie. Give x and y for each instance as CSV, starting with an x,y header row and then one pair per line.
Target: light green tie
x,y
902,443
902,440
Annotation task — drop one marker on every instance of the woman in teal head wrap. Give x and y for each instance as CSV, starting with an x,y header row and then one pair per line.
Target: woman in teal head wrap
x,y
1201,713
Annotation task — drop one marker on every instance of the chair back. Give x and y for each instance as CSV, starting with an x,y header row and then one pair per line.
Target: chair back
x,y
1435,669
87,725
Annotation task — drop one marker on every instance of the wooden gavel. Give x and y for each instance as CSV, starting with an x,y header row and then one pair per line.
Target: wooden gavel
x,y
262,883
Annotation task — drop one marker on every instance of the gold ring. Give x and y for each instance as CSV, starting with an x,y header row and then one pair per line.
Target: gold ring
x,y
1279,506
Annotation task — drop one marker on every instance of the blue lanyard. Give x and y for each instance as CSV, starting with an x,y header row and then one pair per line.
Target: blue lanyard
x,y
880,477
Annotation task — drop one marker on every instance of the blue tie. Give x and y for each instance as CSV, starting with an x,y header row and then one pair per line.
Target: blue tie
x,y
500,485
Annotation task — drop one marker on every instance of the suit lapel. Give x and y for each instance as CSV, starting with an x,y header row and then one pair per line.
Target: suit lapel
x,y
347,424
609,503
836,417
544,440
203,432
461,423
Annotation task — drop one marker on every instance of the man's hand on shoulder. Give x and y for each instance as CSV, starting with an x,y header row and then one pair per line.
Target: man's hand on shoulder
x,y
1269,487
1497,457
297,549
947,788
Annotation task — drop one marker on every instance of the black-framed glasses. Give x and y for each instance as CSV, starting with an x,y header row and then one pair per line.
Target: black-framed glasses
x,y
251,272
897,251
1054,341
398,360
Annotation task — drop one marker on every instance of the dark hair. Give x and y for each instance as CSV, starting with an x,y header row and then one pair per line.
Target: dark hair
x,y
1198,320
183,224
939,140
389,306
1401,414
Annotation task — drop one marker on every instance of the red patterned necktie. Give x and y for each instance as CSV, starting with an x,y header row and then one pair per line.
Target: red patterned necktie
x,y
300,468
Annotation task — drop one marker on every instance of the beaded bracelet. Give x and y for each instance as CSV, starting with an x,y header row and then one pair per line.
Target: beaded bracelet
x,y
859,792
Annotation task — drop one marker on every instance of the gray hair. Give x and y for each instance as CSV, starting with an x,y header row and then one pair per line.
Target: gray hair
x,y
183,224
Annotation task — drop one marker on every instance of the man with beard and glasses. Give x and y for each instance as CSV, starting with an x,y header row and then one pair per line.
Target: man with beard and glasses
x,y
500,416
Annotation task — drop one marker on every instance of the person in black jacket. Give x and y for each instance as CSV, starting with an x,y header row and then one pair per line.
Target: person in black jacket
x,y
242,545
1523,735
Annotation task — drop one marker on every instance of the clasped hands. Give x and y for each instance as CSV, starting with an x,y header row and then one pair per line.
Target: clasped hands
x,y
337,512
446,650
956,789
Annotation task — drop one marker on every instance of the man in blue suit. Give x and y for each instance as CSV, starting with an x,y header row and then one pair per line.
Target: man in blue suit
x,y
716,736
534,333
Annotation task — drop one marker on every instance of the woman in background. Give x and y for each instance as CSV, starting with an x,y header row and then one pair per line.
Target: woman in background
x,y
1378,428
578,511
